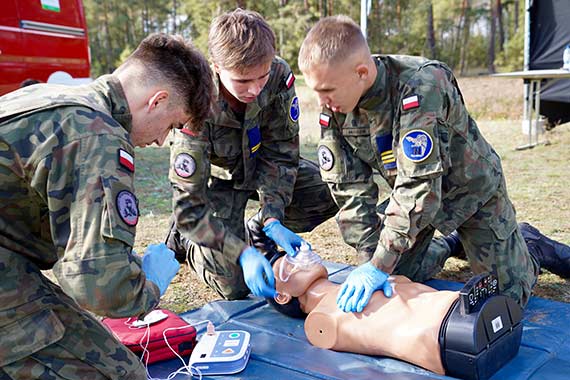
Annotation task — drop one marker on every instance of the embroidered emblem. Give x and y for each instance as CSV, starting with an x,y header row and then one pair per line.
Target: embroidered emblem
x,y
410,102
294,110
184,165
326,158
254,136
417,145
127,207
324,120
290,80
126,160
384,144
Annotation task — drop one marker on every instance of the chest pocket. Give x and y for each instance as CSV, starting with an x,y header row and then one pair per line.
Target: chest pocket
x,y
226,141
356,132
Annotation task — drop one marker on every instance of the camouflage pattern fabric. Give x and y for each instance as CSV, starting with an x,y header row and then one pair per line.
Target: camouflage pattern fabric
x,y
214,174
67,204
412,127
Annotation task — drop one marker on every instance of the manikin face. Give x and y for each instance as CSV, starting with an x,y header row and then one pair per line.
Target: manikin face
x,y
339,86
297,281
153,121
244,85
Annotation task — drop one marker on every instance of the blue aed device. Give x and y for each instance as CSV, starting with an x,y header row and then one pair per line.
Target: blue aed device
x,y
221,353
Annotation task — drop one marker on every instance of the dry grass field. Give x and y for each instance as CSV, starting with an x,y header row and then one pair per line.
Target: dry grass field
x,y
536,180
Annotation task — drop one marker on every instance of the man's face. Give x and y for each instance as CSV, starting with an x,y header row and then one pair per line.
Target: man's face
x,y
245,85
153,124
338,87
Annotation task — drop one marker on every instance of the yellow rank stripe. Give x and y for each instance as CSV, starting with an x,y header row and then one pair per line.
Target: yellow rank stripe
x,y
388,157
255,148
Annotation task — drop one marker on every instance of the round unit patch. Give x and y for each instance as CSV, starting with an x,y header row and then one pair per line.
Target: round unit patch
x,y
326,158
184,165
294,110
417,145
127,207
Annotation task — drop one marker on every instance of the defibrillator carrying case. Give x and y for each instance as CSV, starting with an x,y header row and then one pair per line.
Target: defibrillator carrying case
x,y
181,337
482,331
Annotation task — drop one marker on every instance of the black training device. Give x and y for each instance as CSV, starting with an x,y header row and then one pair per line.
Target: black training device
x,y
481,332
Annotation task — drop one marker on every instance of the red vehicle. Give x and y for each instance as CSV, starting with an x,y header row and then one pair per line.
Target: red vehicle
x,y
42,38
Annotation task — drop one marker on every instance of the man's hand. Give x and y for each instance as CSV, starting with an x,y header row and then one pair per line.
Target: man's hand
x,y
284,237
257,273
159,265
359,286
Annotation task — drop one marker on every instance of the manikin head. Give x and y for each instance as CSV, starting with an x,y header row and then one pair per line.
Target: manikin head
x,y
241,46
336,63
292,283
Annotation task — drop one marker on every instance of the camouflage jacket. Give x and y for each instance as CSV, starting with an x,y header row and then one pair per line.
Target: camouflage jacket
x,y
67,202
261,153
413,128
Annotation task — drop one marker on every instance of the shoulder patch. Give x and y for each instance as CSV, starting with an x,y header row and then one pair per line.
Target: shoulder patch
x,y
410,102
184,165
326,158
417,145
126,160
127,206
294,110
290,80
324,120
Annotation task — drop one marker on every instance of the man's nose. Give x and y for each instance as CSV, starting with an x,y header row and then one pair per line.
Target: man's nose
x,y
255,88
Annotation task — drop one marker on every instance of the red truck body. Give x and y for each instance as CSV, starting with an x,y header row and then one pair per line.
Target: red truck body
x,y
42,37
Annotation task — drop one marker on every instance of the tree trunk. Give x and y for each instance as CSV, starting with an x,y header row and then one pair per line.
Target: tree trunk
x,y
242,4
465,38
174,14
108,40
500,24
492,36
517,7
430,31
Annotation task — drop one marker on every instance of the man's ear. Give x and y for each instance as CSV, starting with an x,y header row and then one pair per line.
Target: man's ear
x,y
160,98
216,68
283,298
363,71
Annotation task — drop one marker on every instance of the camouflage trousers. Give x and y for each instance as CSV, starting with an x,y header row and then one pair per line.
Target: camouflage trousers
x,y
492,243
311,205
44,334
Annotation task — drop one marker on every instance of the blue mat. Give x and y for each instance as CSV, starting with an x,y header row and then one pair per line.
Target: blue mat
x,y
280,349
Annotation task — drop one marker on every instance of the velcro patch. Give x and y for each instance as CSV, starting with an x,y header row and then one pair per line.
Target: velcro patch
x,y
290,80
326,158
410,102
127,206
254,136
417,145
294,110
126,160
184,165
324,120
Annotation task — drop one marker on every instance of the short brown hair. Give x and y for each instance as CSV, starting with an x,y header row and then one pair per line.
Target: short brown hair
x,y
175,61
240,39
331,39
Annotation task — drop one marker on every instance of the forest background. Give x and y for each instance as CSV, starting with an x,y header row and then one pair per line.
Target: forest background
x,y
471,36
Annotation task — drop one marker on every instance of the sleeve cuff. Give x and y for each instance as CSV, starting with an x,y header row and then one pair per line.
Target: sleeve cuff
x,y
233,247
385,260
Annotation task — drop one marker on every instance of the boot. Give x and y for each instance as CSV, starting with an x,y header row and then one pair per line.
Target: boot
x,y
551,255
179,244
455,245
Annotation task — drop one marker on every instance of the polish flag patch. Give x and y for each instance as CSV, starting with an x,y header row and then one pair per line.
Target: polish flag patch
x,y
290,80
324,120
410,102
126,160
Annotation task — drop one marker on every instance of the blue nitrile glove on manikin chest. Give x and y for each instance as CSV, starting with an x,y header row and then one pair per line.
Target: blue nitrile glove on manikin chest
x,y
257,273
159,265
358,287
284,237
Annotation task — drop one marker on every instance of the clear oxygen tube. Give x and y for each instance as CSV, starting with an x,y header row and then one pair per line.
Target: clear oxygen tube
x,y
305,259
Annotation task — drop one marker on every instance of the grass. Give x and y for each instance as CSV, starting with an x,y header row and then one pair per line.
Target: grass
x,y
536,181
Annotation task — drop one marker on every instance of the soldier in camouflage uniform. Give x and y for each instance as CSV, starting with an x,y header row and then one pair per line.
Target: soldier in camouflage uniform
x,y
249,149
404,117
67,204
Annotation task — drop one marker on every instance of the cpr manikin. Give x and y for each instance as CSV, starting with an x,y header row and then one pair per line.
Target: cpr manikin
x,y
406,326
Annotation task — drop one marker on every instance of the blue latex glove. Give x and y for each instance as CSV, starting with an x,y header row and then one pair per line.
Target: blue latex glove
x,y
359,286
159,265
255,266
284,237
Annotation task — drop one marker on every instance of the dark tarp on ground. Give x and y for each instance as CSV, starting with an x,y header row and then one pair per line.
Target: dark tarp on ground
x,y
549,35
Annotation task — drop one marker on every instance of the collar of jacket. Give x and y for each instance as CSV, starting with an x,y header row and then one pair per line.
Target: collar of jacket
x,y
113,96
376,94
